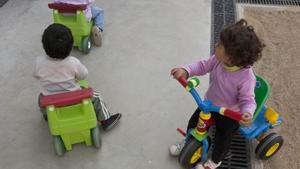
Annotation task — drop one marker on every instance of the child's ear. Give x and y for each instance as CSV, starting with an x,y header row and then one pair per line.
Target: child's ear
x,y
228,60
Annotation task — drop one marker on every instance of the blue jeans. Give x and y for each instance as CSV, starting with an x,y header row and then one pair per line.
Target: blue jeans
x,y
98,17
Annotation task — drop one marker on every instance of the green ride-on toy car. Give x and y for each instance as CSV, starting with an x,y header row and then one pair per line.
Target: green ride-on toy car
x,y
72,16
197,141
71,118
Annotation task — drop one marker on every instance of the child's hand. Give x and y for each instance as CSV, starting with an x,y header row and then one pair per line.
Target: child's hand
x,y
246,119
178,72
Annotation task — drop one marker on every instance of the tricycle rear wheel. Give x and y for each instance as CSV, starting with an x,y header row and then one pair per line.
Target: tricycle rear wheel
x,y
269,146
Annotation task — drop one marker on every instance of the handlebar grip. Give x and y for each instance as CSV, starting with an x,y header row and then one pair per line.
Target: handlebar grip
x,y
194,82
233,115
182,81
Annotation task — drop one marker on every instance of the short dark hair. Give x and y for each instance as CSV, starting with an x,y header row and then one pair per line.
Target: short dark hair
x,y
241,44
57,41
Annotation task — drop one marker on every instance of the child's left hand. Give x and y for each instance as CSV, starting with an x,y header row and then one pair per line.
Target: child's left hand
x,y
246,119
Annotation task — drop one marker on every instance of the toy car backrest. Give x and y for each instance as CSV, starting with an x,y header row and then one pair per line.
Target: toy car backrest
x,y
262,91
67,8
65,99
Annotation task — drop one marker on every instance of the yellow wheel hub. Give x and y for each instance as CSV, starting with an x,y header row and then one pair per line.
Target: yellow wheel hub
x,y
272,149
196,156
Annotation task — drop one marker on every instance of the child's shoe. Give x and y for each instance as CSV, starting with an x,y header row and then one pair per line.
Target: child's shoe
x,y
97,36
209,164
175,149
111,122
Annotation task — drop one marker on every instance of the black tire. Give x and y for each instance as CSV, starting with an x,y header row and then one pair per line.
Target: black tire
x,y
59,146
96,137
86,44
189,150
42,109
268,146
45,117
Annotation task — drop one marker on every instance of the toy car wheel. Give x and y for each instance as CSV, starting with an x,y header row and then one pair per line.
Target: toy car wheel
x,y
96,138
268,146
45,117
86,44
42,109
191,153
59,145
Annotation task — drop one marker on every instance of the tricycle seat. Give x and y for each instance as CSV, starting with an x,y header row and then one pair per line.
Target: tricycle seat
x,y
262,91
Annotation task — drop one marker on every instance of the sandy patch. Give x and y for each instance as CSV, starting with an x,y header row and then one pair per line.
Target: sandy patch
x,y
280,65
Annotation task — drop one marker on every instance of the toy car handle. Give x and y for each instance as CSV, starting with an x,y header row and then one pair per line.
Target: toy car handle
x,y
67,8
189,85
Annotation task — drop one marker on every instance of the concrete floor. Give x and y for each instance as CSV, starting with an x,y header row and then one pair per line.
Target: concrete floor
x,y
143,40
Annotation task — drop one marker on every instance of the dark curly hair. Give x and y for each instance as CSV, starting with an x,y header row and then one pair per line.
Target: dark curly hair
x,y
57,41
241,44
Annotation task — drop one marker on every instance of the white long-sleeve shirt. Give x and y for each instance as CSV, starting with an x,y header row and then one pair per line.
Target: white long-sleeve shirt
x,y
58,76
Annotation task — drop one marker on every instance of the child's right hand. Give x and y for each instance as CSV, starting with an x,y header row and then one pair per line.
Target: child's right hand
x,y
178,72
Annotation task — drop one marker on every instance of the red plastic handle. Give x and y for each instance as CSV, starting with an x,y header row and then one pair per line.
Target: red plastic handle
x,y
182,81
67,8
233,115
68,98
181,132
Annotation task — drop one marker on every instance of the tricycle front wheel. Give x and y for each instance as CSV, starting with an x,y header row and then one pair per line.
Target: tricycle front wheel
x,y
191,153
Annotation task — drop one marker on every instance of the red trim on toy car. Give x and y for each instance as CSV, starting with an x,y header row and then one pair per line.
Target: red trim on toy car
x,y
68,98
67,8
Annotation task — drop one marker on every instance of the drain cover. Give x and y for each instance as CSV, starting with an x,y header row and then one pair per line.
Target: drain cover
x,y
239,154
271,2
223,14
2,2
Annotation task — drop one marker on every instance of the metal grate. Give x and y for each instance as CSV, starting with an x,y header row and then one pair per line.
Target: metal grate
x,y
223,14
2,2
271,2
239,153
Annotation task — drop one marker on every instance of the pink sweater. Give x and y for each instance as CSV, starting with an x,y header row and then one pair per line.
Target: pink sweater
x,y
233,90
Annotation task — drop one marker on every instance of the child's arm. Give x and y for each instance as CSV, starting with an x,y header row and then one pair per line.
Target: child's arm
x,y
246,96
81,71
201,67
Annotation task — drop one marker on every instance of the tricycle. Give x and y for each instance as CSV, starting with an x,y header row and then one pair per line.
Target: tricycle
x,y
197,142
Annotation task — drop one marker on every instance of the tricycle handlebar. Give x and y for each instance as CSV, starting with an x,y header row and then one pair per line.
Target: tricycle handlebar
x,y
206,106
